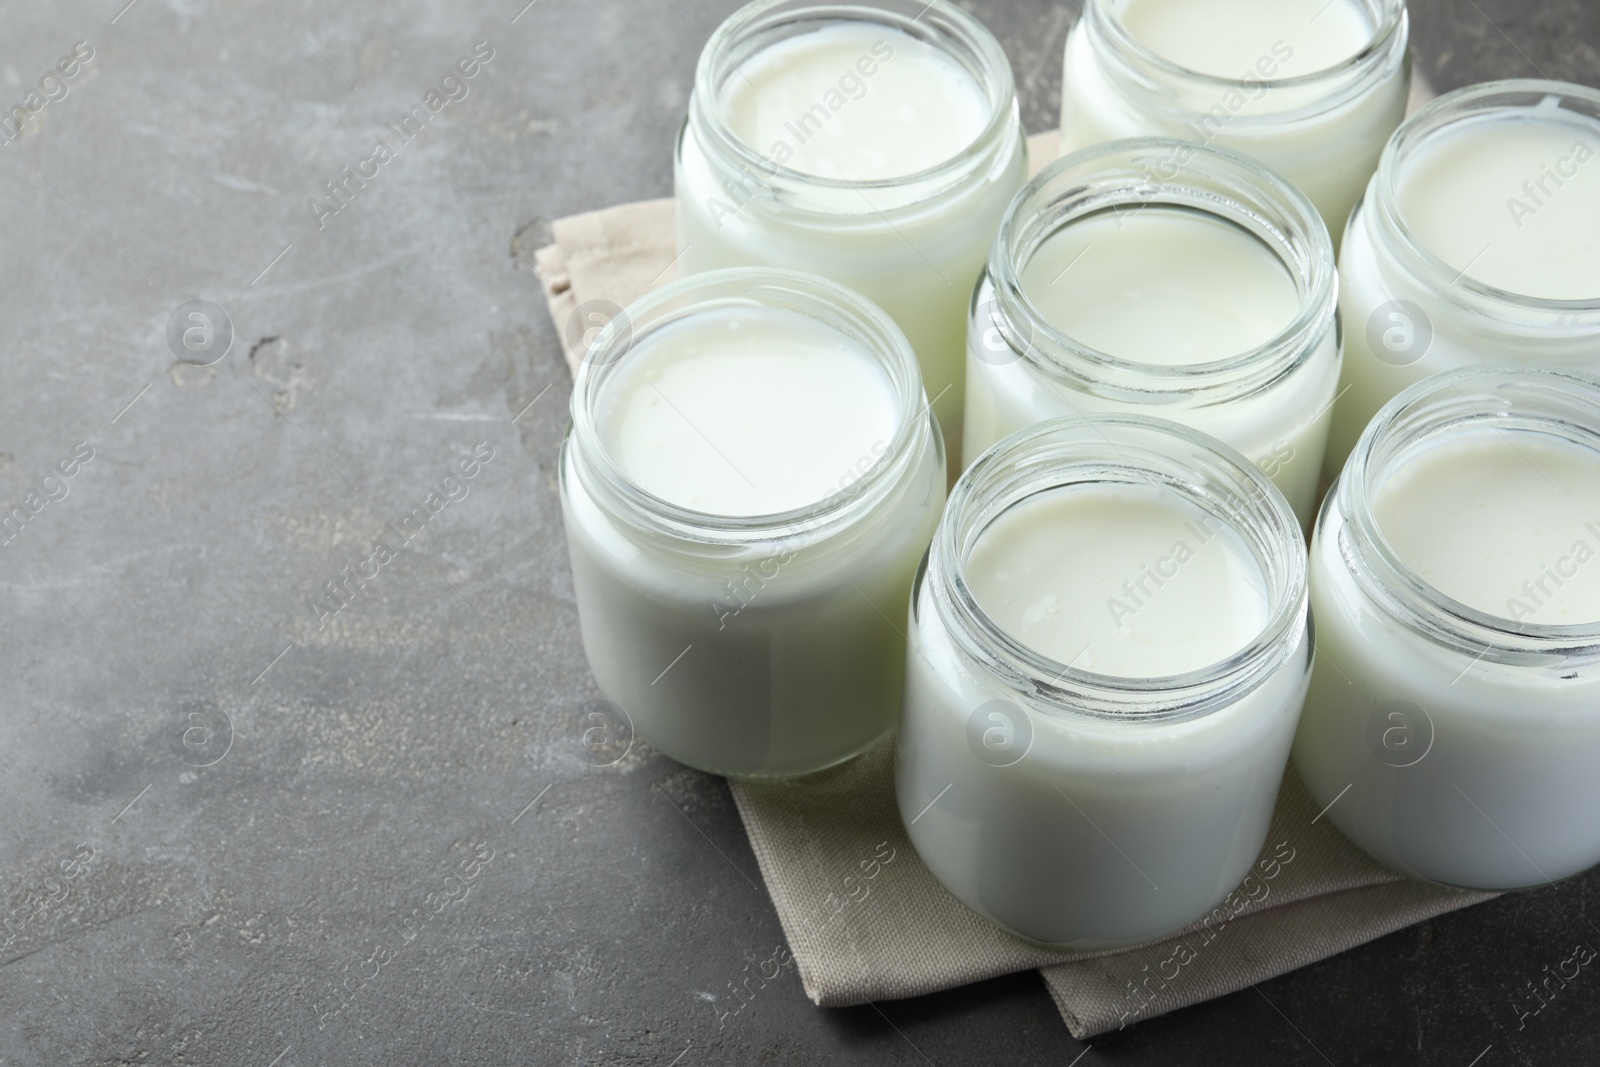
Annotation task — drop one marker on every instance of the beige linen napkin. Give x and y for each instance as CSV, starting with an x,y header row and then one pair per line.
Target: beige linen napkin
x,y
866,920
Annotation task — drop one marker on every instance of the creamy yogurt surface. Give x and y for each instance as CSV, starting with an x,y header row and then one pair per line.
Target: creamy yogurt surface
x,y
1130,581
855,101
746,411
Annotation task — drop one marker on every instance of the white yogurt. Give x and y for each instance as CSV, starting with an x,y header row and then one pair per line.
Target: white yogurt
x,y
1311,87
1209,302
1225,38
1453,721
1502,523
1511,203
1133,582
919,108
1478,242
1109,654
745,411
1162,285
750,481
876,147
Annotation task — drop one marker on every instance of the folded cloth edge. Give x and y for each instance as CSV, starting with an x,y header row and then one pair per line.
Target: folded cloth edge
x,y
1082,990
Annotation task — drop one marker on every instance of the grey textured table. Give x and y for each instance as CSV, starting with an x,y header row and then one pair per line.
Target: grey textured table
x,y
243,822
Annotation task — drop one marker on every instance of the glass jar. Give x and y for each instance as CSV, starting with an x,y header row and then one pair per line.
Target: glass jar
x,y
1452,744
1323,130
1085,810
1409,313
1272,403
751,645
913,244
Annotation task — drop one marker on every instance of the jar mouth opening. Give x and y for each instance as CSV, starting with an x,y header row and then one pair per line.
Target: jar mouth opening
x,y
1128,176
935,22
1504,98
1507,399
1123,451
1389,17
840,309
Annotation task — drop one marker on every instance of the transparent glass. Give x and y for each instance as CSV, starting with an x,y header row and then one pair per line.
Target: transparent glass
x,y
913,244
1453,745
1324,131
1079,809
1272,403
1410,314
759,645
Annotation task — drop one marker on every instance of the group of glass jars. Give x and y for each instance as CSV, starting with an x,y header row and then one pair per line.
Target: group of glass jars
x,y
1145,365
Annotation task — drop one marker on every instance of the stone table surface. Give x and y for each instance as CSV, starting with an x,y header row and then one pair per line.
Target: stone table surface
x,y
304,831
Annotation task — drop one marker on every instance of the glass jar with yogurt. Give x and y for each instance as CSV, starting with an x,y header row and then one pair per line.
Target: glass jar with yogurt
x,y
751,477
1109,648
1476,243
1311,87
1453,724
875,143
1161,278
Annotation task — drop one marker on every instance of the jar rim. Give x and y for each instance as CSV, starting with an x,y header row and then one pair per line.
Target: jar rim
x,y
989,66
1504,97
1220,183
1467,400
838,308
1122,450
1389,37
